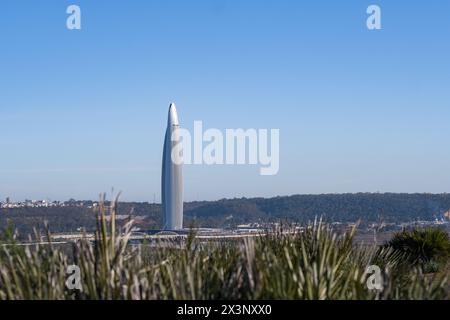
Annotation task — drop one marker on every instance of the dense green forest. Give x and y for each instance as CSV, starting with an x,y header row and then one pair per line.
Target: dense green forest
x,y
367,207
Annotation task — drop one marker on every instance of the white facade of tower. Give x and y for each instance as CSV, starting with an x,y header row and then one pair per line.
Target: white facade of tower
x,y
172,176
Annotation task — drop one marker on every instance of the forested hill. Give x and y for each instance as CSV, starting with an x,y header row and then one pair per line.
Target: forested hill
x,y
368,207
391,207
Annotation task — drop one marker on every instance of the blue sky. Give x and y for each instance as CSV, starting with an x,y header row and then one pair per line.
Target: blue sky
x,y
82,111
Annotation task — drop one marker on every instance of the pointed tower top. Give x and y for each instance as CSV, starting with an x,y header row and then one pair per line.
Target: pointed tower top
x,y
173,115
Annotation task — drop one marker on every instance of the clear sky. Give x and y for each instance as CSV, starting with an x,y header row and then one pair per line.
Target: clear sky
x,y
82,111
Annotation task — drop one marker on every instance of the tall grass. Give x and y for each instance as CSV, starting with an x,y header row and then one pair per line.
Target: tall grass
x,y
315,263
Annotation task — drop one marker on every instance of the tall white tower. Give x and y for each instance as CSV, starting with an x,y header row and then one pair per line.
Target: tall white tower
x,y
172,176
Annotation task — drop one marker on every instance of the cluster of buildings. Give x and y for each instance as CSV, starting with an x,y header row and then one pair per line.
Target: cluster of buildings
x,y
8,204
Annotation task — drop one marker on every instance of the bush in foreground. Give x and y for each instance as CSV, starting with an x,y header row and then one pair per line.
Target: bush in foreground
x,y
426,248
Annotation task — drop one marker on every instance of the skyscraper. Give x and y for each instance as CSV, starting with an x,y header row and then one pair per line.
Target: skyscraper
x,y
172,176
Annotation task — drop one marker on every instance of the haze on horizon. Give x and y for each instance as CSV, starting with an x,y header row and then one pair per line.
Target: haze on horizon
x,y
358,110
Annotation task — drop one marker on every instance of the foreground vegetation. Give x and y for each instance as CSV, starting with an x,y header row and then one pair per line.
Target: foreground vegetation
x,y
316,263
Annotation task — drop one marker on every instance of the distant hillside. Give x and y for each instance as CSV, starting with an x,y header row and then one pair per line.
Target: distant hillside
x,y
391,207
368,207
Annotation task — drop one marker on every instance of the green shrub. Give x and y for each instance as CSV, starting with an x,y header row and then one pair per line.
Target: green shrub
x,y
427,248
